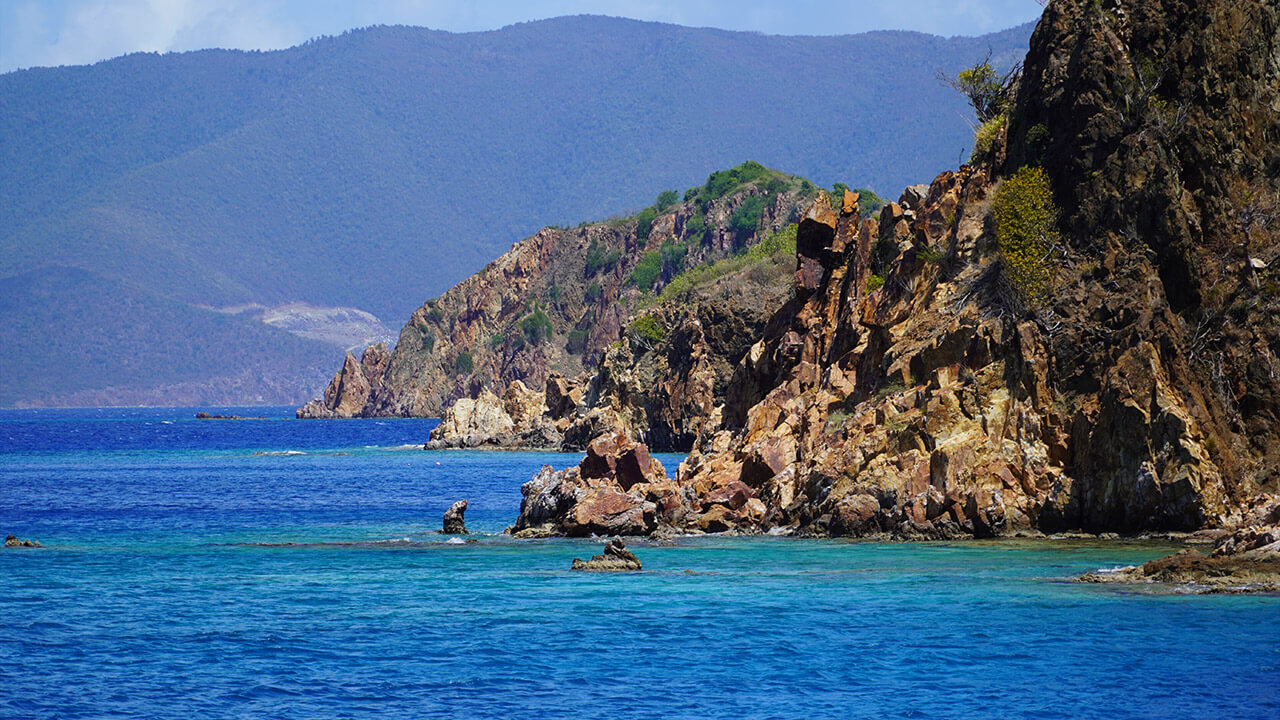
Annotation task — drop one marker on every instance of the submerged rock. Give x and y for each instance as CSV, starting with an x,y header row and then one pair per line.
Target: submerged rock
x,y
616,558
454,522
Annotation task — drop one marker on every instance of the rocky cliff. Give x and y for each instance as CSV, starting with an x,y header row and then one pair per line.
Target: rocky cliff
x,y
558,300
661,382
1078,331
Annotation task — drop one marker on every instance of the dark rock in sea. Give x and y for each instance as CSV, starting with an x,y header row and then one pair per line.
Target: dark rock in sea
x,y
616,558
12,541
454,522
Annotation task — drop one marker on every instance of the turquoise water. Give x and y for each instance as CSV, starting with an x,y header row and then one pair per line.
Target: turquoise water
x,y
167,588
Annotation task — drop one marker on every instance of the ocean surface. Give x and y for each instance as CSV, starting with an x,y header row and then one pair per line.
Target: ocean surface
x,y
278,568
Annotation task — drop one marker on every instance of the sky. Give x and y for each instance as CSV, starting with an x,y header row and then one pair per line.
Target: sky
x,y
76,32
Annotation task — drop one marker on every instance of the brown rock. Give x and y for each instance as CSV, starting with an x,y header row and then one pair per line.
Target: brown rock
x,y
601,511
12,541
616,558
454,522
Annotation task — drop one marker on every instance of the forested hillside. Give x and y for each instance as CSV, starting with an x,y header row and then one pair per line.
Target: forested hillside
x,y
376,169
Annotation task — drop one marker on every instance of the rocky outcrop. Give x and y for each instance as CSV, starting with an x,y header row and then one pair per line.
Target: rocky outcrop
x,y
557,300
351,387
616,558
455,522
910,388
617,489
12,541
520,419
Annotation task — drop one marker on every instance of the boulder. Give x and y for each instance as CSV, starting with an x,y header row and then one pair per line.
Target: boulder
x,y
12,541
616,558
454,522
470,423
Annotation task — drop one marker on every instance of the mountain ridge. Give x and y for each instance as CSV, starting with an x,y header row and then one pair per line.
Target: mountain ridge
x,y
326,173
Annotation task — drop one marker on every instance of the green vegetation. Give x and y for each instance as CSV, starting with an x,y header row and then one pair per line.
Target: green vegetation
x,y
695,229
988,91
874,283
496,341
644,222
464,363
746,218
428,340
599,257
666,199
1026,230
985,137
673,254
593,293
869,203
647,271
647,329
780,245
553,293
435,314
722,182
536,326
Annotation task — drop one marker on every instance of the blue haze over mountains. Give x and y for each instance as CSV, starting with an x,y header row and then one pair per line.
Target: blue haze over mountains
x,y
376,169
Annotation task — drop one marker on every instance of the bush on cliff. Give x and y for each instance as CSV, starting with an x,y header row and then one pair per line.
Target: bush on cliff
x,y
1026,220
536,326
647,270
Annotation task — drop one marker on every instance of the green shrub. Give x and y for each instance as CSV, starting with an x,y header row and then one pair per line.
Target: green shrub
x,y
869,203
435,314
644,223
592,293
696,229
985,136
536,326
746,218
553,293
599,258
780,245
776,185
1026,220
647,271
988,92
496,341
428,339
720,182
874,283
666,199
647,328
464,363
673,254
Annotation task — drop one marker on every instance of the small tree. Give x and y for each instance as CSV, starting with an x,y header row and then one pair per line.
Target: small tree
x,y
989,92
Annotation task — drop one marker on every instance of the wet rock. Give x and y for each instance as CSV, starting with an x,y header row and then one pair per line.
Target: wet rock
x,y
12,541
454,522
616,558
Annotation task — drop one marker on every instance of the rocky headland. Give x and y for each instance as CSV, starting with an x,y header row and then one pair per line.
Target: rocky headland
x,y
557,301
1077,331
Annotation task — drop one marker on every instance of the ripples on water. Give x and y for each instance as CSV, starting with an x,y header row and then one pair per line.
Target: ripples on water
x,y
279,568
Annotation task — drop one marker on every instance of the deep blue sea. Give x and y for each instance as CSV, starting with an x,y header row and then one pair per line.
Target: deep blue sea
x,y
289,569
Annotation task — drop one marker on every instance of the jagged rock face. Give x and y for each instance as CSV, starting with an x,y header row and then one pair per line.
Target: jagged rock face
x,y
551,305
1159,124
617,489
929,407
350,389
